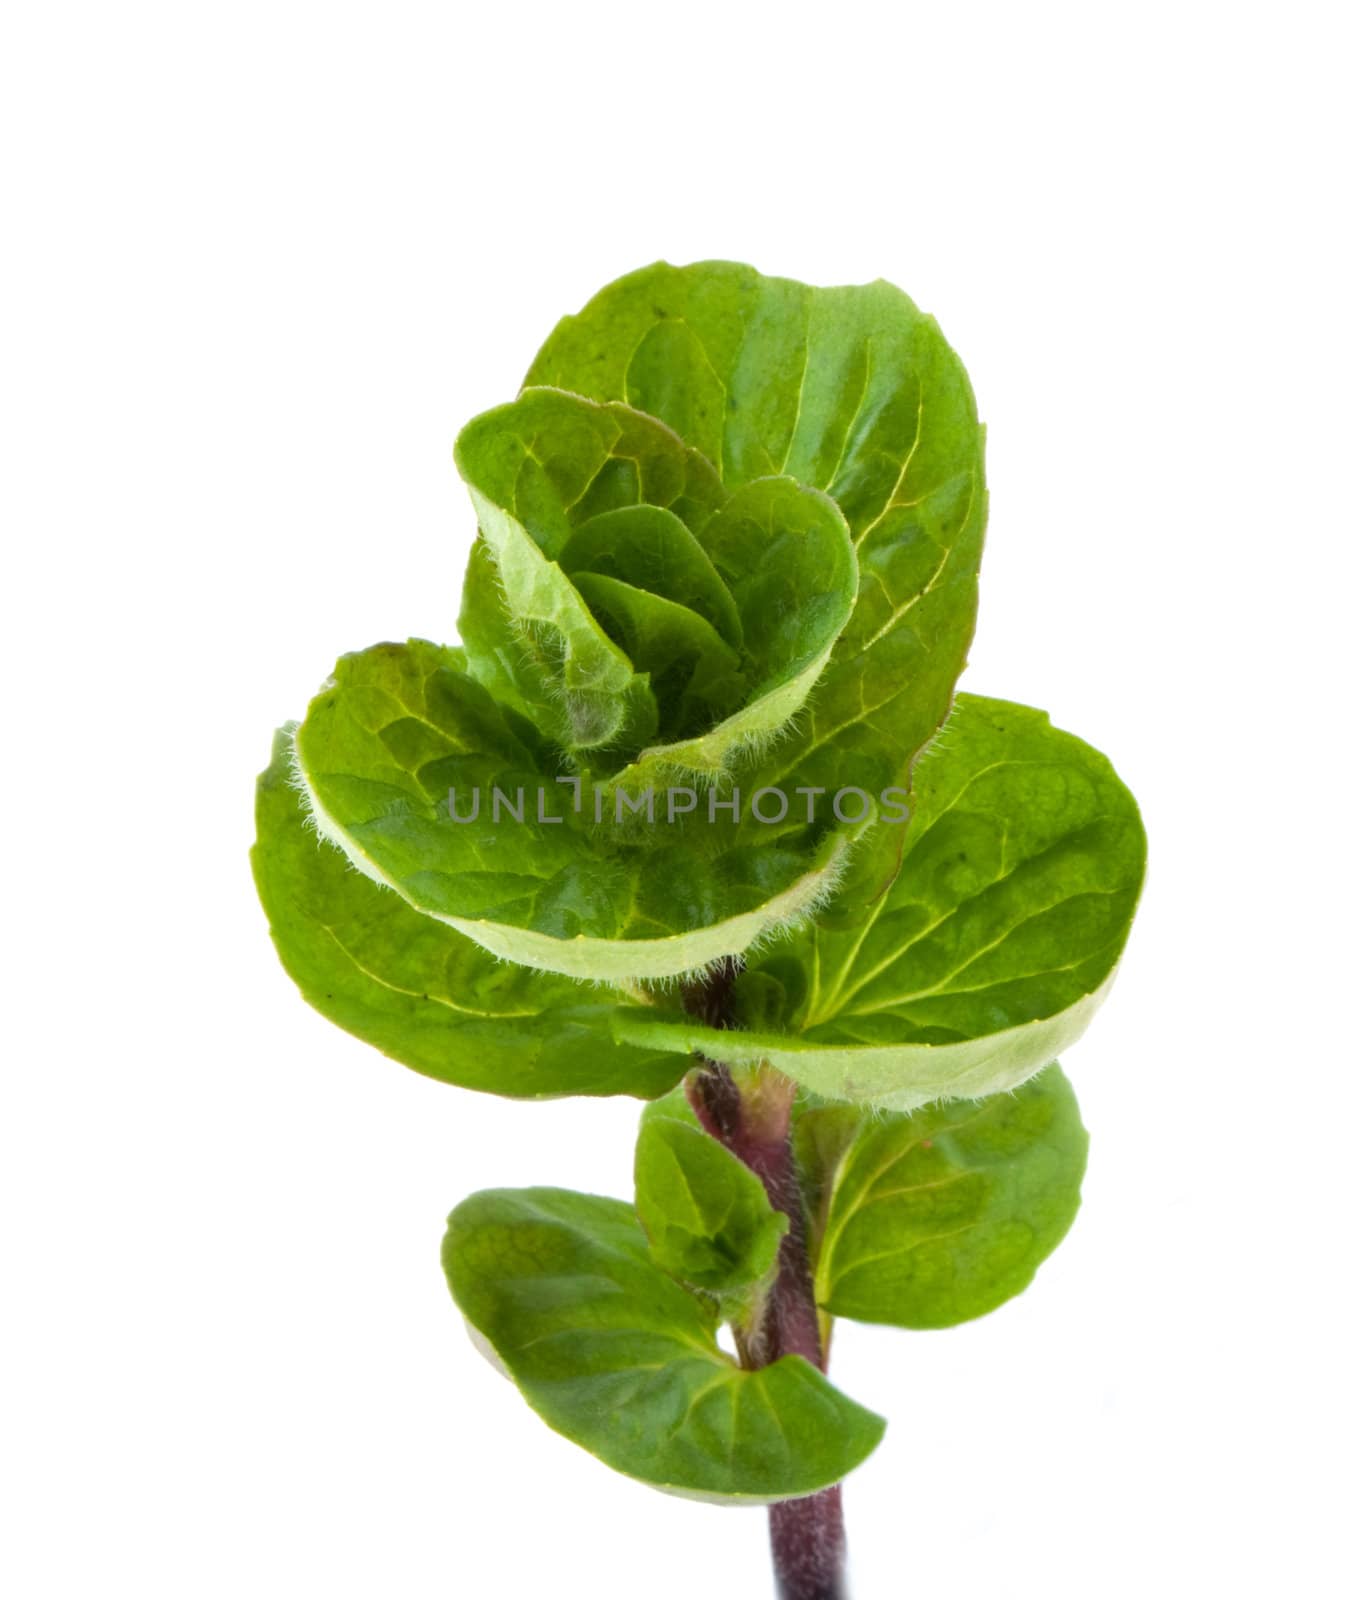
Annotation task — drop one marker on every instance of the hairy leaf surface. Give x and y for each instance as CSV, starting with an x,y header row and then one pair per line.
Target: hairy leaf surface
x,y
622,1360
401,727
536,469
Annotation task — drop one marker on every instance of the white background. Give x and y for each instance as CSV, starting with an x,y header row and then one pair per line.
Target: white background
x,y
261,262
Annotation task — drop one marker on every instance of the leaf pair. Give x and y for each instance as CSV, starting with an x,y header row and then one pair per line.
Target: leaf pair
x,y
985,958
605,1315
917,1220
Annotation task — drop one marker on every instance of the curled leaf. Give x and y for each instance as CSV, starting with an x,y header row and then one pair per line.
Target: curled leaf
x,y
427,786
665,627
853,392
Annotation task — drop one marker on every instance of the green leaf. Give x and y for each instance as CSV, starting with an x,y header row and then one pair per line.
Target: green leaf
x,y
417,990
746,600
518,668
788,563
941,1216
990,952
787,560
537,470
707,1217
851,391
617,1357
694,673
401,727
650,548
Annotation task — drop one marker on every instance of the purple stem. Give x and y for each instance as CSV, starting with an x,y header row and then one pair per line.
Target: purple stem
x,y
806,1534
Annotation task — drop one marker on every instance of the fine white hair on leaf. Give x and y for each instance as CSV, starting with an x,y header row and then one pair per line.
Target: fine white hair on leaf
x,y
814,889
317,818
750,745
936,742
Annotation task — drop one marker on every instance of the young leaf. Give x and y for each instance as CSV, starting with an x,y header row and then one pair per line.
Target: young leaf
x,y
788,562
390,757
537,470
650,548
787,559
940,1216
992,948
707,1217
619,1358
851,391
694,673
418,991
750,597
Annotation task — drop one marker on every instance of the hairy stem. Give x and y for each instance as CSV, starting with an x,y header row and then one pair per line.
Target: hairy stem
x,y
753,1119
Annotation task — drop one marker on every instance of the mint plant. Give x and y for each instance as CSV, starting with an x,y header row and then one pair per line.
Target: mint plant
x,y
694,814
